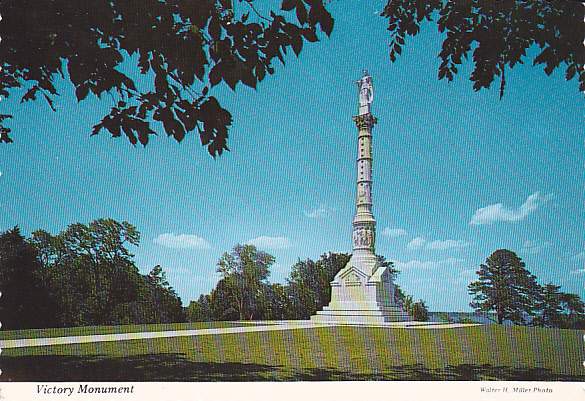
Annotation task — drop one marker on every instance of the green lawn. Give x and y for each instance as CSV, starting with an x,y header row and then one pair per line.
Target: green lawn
x,y
91,330
488,352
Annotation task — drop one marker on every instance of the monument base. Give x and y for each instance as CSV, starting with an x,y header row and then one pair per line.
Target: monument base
x,y
365,316
360,298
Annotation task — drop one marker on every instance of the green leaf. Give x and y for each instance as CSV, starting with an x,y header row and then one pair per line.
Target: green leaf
x,y
214,28
288,5
81,92
310,35
216,73
326,23
397,48
301,13
571,71
296,40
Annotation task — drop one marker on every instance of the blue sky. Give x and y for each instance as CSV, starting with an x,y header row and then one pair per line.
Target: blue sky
x,y
457,174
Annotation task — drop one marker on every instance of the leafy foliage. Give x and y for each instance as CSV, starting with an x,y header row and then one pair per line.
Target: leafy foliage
x,y
181,48
549,305
505,286
241,295
157,302
418,310
310,283
245,271
274,303
559,309
85,275
200,310
25,301
495,34
223,301
89,269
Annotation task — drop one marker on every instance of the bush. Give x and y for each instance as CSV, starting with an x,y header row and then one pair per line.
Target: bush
x,y
446,318
419,311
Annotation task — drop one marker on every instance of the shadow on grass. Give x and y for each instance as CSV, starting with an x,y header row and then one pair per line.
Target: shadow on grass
x,y
176,367
149,367
465,372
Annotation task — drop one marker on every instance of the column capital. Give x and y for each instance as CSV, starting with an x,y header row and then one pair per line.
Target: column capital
x,y
365,121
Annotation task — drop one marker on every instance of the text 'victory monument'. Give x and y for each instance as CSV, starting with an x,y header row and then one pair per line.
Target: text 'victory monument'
x,y
363,292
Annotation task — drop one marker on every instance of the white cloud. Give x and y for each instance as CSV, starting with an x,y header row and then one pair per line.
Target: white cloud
x,y
393,232
183,241
320,212
447,244
420,243
271,242
416,265
533,246
498,212
580,271
429,264
416,244
579,256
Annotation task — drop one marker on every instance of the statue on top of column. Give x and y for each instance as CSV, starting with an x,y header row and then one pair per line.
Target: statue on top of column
x,y
366,94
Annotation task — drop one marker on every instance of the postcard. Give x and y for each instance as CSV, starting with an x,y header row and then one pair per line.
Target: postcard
x,y
254,200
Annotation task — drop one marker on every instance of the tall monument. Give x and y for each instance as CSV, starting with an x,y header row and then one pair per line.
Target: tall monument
x,y
363,292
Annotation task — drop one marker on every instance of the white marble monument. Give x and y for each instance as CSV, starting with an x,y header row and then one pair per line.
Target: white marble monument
x,y
362,292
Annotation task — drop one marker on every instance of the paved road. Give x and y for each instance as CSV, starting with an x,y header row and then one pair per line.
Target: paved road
x,y
251,327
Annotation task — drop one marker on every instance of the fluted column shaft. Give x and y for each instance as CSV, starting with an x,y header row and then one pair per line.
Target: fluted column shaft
x,y
364,224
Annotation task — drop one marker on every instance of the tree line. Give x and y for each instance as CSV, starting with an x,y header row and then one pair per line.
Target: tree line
x,y
507,288
85,275
244,293
82,276
504,286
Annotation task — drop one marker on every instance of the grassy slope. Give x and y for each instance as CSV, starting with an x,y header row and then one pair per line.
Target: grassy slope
x,y
92,330
328,353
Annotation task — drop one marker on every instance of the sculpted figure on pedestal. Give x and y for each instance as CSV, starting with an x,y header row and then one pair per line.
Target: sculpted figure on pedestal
x,y
366,94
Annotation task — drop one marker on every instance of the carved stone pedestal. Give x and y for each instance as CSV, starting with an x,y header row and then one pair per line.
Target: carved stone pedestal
x,y
359,298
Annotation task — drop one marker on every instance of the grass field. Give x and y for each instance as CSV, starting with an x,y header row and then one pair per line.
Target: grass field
x,y
92,330
488,352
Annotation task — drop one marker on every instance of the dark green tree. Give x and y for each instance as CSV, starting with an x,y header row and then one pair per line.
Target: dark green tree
x,y
310,283
274,303
200,310
399,296
184,47
89,273
573,314
223,301
418,311
506,287
25,302
495,35
246,270
158,300
559,309
180,47
549,307
94,270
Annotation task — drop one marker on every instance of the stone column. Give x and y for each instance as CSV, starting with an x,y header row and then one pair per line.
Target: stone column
x,y
364,224
362,292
